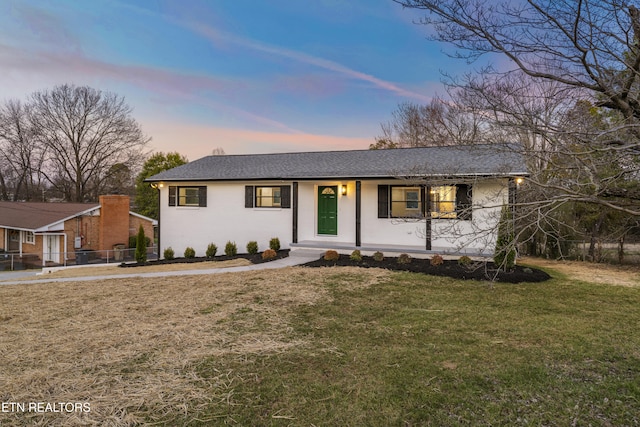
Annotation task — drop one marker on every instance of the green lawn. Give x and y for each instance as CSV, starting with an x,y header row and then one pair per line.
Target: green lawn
x,y
418,350
324,347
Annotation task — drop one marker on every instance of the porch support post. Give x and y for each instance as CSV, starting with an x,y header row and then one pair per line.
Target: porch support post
x,y
294,212
358,213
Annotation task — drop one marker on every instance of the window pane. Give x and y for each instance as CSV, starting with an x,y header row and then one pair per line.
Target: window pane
x,y
267,197
406,202
443,201
188,196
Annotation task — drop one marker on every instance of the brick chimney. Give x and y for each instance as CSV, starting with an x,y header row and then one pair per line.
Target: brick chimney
x,y
114,220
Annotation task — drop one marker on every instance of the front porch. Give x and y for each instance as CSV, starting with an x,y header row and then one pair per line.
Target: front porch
x,y
308,246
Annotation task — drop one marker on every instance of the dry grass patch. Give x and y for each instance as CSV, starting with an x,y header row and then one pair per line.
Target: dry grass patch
x,y
130,347
115,269
606,274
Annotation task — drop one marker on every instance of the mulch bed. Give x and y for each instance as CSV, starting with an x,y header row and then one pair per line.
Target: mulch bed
x,y
477,271
255,259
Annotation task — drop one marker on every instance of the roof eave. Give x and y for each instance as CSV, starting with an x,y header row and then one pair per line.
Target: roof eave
x,y
345,177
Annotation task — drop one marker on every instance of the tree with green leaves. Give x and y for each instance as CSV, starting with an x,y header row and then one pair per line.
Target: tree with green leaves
x,y
146,200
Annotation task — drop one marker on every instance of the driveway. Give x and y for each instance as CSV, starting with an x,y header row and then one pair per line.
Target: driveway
x,y
302,257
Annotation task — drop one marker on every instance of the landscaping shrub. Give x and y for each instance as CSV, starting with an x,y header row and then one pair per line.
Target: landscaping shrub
x,y
404,259
378,256
230,249
252,247
169,254
505,253
269,253
436,260
464,261
141,247
211,250
189,252
274,244
356,256
331,255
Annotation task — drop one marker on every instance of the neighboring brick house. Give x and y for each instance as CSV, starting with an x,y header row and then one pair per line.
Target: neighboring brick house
x,y
54,232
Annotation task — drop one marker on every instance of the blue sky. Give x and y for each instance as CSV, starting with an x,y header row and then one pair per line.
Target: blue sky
x,y
250,76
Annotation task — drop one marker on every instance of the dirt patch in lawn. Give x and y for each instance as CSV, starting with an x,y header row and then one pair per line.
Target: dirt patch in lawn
x,y
591,272
129,347
473,271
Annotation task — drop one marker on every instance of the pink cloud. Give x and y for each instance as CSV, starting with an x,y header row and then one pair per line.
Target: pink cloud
x,y
195,141
49,69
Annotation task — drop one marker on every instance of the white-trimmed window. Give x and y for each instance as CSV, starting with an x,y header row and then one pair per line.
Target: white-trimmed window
x,y
444,201
188,196
406,202
268,197
28,237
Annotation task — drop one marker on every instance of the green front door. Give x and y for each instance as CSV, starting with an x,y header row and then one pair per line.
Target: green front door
x,y
328,210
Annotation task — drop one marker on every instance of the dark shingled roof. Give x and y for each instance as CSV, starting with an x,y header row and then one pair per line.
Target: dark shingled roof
x,y
470,160
33,215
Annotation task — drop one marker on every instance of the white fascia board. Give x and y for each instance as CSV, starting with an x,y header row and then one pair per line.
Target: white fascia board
x,y
146,218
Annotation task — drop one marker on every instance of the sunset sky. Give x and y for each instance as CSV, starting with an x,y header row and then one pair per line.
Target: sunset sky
x,y
250,76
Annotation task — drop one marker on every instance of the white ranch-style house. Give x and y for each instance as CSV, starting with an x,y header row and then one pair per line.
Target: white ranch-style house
x,y
444,200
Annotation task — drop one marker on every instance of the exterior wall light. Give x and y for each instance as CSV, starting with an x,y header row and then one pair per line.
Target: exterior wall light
x,y
519,180
343,190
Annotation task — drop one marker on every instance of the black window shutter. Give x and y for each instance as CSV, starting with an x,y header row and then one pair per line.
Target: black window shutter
x,y
248,196
173,191
202,196
463,201
285,197
383,201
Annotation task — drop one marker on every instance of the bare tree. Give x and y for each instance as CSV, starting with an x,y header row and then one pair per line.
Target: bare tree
x,y
568,92
20,151
436,124
86,132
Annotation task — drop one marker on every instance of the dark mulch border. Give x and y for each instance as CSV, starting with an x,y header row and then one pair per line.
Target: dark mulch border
x,y
255,259
483,271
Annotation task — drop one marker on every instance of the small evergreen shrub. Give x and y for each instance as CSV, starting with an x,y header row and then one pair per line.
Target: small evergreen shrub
x,y
141,247
211,250
133,241
505,252
378,256
436,260
331,255
252,247
274,244
189,252
356,256
269,253
464,261
230,249
169,253
404,259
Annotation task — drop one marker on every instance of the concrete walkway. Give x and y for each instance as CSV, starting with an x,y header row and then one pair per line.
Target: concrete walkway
x,y
294,258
